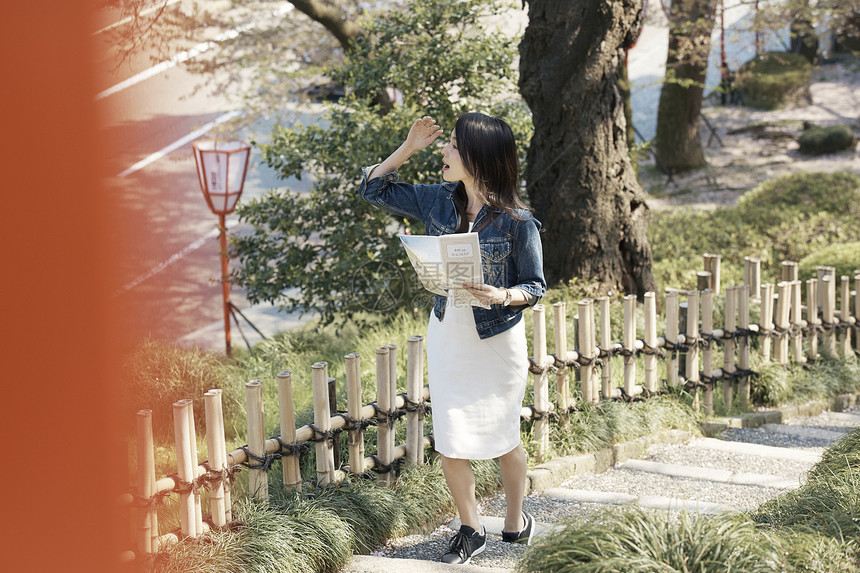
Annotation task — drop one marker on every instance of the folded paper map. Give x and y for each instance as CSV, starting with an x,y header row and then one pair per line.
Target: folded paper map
x,y
445,262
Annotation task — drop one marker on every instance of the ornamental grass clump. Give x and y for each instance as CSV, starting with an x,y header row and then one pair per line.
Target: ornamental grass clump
x,y
828,503
645,541
319,529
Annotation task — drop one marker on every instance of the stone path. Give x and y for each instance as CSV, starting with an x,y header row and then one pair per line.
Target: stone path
x,y
742,469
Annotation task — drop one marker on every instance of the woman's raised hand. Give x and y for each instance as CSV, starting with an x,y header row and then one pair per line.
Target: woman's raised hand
x,y
422,133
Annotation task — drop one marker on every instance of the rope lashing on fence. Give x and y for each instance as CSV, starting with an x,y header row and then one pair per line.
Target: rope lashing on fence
x,y
214,478
558,364
674,347
263,462
411,406
381,468
292,449
539,415
539,369
649,350
150,503
387,418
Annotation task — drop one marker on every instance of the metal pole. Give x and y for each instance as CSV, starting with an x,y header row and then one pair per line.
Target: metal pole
x,y
225,284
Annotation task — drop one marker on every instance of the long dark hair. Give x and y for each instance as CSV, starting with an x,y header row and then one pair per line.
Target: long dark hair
x,y
489,153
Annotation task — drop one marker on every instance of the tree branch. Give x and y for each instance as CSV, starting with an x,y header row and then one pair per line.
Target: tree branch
x,y
332,19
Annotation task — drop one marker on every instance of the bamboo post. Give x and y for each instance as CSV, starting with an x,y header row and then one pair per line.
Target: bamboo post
x,y
823,272
707,353
812,317
743,344
650,341
595,384
392,391
147,537
415,395
712,265
219,415
857,310
217,452
783,307
629,344
192,442
562,379
844,315
789,271
606,344
332,409
729,347
184,467
258,485
752,276
292,475
672,312
577,374
828,346
692,336
324,448
766,326
355,439
796,318
541,382
385,406
586,350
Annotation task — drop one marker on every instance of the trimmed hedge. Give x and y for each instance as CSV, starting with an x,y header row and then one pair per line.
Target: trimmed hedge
x,y
774,79
821,140
845,257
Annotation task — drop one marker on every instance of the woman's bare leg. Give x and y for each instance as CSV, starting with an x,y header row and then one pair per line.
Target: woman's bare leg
x,y
461,482
513,466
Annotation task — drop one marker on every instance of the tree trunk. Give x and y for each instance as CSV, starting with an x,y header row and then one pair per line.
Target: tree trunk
x,y
579,176
678,144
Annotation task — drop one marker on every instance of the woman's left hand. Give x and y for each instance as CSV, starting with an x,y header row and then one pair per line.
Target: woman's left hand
x,y
486,294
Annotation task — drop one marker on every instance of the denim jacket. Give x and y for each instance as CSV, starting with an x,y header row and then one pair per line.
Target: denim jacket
x,y
510,248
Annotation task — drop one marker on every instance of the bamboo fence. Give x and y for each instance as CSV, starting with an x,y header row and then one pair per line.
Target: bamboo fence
x,y
686,349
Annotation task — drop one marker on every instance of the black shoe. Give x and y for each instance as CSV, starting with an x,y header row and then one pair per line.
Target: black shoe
x,y
464,545
524,536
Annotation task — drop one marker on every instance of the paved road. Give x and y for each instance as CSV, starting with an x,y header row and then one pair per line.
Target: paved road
x,y
167,268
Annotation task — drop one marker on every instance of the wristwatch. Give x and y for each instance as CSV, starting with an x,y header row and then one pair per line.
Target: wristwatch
x,y
508,296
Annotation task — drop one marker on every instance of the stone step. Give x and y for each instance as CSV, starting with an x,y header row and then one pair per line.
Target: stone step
x,y
756,449
374,564
649,501
711,474
805,432
845,417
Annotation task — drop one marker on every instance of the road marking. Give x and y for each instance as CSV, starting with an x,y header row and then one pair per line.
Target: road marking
x,y
180,142
167,64
184,56
129,19
193,246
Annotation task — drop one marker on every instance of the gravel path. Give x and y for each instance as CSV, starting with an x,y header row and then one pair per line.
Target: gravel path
x,y
550,511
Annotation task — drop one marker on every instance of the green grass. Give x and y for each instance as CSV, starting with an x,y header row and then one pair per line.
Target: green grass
x,y
784,219
812,529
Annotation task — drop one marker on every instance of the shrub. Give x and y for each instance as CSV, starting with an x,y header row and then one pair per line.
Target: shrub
x,y
844,256
774,79
818,140
787,218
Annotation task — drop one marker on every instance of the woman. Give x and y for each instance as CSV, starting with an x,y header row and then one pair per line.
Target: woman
x,y
477,358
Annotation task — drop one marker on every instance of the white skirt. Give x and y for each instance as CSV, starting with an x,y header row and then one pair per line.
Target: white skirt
x,y
476,386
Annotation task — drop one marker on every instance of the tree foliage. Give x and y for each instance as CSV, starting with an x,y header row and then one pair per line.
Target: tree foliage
x,y
344,255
